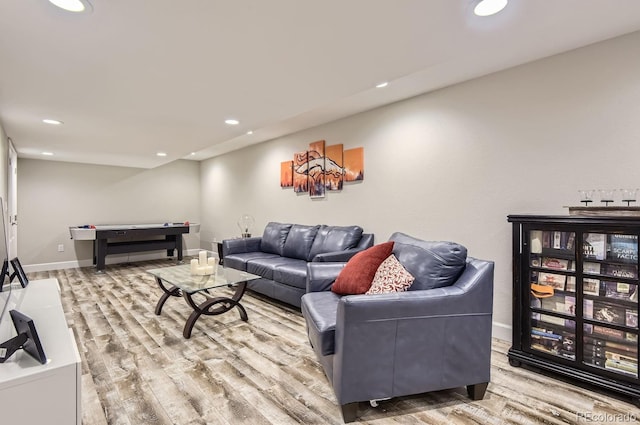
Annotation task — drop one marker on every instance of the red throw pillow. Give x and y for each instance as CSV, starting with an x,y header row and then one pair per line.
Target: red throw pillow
x,y
357,275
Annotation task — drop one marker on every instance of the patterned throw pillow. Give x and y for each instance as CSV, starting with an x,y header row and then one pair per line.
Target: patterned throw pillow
x,y
391,276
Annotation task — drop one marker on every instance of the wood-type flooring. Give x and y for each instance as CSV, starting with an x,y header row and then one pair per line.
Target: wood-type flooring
x,y
138,369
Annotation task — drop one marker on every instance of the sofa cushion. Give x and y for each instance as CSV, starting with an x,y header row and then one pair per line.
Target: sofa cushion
x,y
358,273
274,237
319,310
239,261
264,266
335,238
390,277
433,264
299,241
291,272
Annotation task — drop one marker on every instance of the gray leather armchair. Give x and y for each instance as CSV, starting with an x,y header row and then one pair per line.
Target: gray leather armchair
x,y
375,347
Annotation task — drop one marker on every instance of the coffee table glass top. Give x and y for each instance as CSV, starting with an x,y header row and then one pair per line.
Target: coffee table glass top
x,y
181,277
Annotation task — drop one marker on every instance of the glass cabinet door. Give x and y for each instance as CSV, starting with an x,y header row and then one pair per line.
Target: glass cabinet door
x,y
552,295
610,302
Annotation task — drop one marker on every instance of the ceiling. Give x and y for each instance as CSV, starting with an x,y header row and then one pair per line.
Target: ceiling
x,y
135,77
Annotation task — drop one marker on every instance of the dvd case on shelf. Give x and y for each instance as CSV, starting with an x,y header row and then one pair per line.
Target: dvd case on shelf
x,y
591,286
555,263
565,304
604,312
557,281
542,241
623,347
618,290
626,271
594,246
591,268
623,248
553,340
571,284
631,318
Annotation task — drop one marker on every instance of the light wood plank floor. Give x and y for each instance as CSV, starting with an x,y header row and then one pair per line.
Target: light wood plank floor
x,y
138,369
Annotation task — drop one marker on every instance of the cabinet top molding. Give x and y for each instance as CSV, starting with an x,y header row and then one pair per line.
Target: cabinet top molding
x,y
605,211
575,219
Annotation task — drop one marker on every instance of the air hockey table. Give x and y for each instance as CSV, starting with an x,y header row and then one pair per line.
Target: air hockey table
x,y
126,238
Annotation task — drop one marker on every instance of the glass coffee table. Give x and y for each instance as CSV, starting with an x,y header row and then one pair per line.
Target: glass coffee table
x,y
177,281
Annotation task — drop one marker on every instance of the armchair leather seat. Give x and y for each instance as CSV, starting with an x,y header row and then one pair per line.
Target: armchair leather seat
x,y
320,309
389,345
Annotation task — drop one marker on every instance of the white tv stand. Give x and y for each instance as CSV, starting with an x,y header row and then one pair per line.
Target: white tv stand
x,y
30,392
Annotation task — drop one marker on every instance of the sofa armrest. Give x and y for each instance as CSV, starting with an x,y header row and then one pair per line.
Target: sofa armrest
x,y
239,246
320,276
336,256
366,241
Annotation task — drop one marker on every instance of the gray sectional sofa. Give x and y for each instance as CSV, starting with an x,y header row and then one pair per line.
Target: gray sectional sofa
x,y
281,255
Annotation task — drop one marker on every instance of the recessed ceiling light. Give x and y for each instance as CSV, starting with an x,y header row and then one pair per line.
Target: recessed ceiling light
x,y
381,85
489,7
193,153
250,132
47,153
76,6
50,121
231,121
161,154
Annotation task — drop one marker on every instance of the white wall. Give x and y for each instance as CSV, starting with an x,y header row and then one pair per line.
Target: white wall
x,y
4,166
452,164
55,195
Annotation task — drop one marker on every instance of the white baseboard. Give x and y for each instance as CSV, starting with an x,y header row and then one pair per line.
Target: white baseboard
x,y
502,331
111,259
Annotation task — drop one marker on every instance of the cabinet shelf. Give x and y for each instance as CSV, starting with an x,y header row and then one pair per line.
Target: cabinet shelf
x,y
554,313
618,301
560,253
575,298
559,271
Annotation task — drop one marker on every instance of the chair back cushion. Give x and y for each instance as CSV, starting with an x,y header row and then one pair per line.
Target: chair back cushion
x,y
299,241
274,237
335,238
434,264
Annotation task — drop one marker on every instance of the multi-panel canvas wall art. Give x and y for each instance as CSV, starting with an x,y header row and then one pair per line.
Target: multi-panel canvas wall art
x,y
322,168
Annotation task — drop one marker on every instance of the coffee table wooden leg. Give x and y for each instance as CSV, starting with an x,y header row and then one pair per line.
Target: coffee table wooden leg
x,y
221,304
173,291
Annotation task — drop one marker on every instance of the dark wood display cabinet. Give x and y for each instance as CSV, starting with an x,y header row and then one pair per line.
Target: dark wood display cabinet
x,y
575,298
